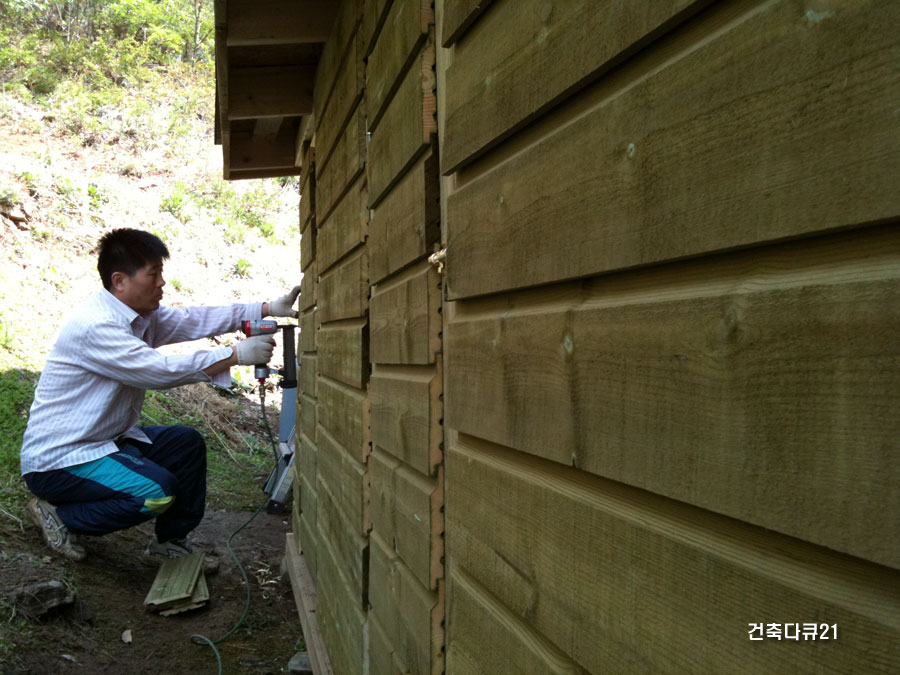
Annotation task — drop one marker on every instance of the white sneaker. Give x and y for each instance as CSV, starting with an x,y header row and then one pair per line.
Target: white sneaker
x,y
178,548
55,532
174,548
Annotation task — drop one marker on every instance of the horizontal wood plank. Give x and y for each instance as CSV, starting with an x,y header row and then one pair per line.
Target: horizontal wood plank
x,y
270,91
347,93
307,206
405,318
348,480
309,543
403,35
374,15
346,164
307,245
406,610
345,228
341,620
308,285
406,414
343,352
760,385
344,412
308,416
756,152
381,651
346,545
308,327
334,52
525,56
279,22
407,512
405,129
459,15
308,375
626,581
486,637
344,290
405,226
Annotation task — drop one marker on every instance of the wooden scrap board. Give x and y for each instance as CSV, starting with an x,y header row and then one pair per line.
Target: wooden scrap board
x,y
176,584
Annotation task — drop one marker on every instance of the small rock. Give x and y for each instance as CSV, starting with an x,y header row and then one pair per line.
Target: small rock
x,y
37,599
300,664
126,637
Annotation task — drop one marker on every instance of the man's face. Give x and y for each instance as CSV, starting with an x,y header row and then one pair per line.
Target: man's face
x,y
143,291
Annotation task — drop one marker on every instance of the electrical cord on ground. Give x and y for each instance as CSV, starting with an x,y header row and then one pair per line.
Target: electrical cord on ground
x,y
202,639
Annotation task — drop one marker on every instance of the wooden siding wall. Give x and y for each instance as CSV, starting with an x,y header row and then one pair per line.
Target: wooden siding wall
x,y
671,349
370,475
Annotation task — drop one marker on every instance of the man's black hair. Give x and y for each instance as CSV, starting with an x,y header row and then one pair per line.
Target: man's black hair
x,y
127,250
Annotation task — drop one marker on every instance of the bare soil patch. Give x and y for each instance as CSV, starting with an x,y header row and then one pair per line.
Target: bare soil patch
x,y
110,587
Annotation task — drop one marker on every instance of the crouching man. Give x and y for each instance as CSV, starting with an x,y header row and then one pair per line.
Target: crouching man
x,y
93,469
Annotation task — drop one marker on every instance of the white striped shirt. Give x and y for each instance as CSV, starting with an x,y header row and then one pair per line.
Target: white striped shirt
x,y
92,388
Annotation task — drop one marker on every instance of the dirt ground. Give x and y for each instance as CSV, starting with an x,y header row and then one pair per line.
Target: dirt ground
x,y
110,587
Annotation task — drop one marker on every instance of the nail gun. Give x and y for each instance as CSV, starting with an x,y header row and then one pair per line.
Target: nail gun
x,y
278,486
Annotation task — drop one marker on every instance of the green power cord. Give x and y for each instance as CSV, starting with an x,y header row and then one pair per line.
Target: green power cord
x,y
202,639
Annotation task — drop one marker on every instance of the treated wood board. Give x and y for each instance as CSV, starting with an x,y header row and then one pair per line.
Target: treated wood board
x,y
307,457
406,411
344,412
755,151
346,163
761,385
525,56
341,620
374,14
308,327
459,15
296,505
307,207
308,288
278,22
309,543
198,598
308,374
403,35
405,226
627,581
486,637
407,511
405,129
333,55
304,586
174,582
349,549
270,91
307,245
348,480
411,615
345,228
344,290
344,353
347,92
380,653
308,416
405,317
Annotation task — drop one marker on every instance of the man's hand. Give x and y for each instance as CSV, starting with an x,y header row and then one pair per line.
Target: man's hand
x,y
253,350
283,305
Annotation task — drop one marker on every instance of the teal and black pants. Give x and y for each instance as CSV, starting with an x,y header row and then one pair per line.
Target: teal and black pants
x,y
164,479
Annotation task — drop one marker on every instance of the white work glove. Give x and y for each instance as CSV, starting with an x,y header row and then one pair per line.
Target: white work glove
x,y
254,350
283,305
